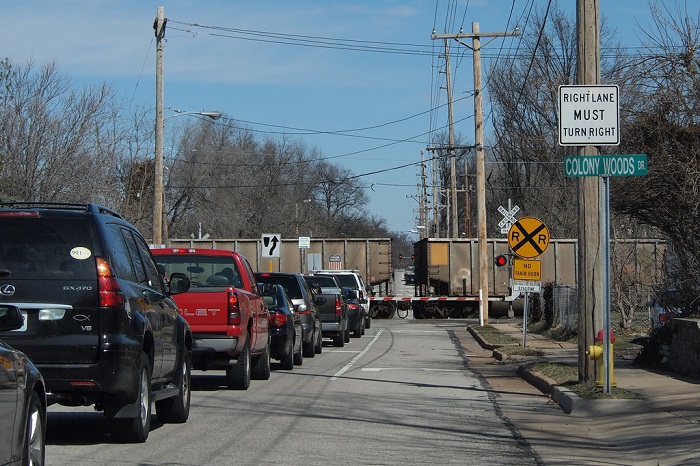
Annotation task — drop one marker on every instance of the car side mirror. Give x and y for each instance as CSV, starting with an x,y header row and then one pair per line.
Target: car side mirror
x,y
11,318
179,283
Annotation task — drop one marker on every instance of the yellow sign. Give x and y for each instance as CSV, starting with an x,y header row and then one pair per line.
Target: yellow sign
x,y
528,237
527,270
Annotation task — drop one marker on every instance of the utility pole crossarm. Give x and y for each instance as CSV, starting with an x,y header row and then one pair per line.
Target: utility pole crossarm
x,y
472,35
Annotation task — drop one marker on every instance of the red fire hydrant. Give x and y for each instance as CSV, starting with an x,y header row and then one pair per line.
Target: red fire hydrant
x,y
595,352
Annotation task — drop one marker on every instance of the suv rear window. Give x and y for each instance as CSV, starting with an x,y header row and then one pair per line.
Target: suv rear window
x,y
346,280
44,249
289,283
202,270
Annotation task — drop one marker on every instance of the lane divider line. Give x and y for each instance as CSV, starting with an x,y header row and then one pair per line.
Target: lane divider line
x,y
354,360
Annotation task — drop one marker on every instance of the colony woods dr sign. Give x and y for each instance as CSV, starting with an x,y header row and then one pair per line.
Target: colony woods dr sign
x,y
606,165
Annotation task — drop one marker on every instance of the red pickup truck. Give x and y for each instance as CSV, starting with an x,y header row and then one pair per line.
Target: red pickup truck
x,y
227,315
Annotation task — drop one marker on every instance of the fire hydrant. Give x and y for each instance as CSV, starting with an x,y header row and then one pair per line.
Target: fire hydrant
x,y
595,352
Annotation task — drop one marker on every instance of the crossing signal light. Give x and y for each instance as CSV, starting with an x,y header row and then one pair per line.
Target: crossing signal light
x,y
501,261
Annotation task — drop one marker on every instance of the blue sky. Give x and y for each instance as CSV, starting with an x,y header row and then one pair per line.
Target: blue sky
x,y
324,96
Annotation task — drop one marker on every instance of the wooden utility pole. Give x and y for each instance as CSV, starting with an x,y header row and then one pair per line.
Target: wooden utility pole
x,y
454,231
476,36
159,29
590,247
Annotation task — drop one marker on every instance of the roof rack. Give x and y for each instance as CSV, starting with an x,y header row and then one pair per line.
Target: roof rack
x,y
89,207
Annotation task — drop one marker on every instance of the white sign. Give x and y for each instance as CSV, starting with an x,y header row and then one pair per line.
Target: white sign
x,y
524,286
304,242
589,116
508,218
271,245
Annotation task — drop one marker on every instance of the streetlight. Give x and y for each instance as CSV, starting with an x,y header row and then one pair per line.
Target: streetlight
x,y
158,192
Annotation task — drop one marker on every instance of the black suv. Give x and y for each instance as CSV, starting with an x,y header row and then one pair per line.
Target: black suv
x,y
99,321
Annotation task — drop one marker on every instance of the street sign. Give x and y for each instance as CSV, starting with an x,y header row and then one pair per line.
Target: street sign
x,y
304,242
605,165
530,270
589,116
508,217
271,245
526,286
528,237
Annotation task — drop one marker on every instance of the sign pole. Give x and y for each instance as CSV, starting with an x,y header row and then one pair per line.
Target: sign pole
x,y
525,320
605,225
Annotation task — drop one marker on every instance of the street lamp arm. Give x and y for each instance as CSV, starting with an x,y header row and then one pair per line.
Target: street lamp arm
x,y
213,114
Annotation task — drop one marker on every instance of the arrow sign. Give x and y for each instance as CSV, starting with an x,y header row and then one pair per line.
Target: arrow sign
x,y
269,245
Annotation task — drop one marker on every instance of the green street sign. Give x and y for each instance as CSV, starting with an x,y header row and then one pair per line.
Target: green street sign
x,y
605,165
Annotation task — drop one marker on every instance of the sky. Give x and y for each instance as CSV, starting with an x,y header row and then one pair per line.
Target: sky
x,y
357,80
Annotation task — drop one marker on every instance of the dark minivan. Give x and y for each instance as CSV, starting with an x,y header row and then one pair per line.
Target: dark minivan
x,y
99,322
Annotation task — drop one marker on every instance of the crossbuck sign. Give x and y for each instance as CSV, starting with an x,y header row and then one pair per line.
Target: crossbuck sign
x,y
508,218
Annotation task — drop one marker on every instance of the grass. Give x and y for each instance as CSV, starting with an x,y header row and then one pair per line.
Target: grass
x,y
565,375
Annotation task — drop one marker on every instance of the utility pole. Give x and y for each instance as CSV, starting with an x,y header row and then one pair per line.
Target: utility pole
x,y
451,151
476,36
159,29
590,244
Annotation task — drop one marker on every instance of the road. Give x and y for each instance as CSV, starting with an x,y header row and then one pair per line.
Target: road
x,y
402,394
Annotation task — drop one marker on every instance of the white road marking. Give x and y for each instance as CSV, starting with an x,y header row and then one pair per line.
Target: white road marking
x,y
424,369
355,359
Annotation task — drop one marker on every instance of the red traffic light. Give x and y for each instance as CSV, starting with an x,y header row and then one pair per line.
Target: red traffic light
x,y
501,261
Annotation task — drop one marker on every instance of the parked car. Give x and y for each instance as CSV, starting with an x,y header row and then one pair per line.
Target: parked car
x,y
355,312
671,303
352,279
100,323
285,327
226,313
331,306
22,400
304,305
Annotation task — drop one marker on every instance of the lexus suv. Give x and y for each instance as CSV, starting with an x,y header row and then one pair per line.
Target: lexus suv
x,y
99,321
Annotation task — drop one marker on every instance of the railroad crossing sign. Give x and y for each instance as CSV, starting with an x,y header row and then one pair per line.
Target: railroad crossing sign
x,y
271,245
508,218
528,237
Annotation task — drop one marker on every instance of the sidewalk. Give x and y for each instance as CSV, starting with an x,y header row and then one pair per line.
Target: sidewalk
x,y
671,393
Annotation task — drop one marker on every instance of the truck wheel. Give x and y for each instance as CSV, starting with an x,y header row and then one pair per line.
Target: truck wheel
x,y
238,375
261,364
135,430
299,357
318,347
287,361
339,339
177,408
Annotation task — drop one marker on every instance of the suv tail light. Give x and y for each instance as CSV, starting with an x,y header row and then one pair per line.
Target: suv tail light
x,y
338,307
278,319
234,310
110,292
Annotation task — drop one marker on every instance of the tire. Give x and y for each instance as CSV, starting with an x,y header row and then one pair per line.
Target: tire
x,y
35,433
368,321
308,346
299,356
339,339
346,333
176,409
261,364
318,347
288,360
136,430
357,333
238,375
363,326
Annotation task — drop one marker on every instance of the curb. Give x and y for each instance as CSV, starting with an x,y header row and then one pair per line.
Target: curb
x,y
567,400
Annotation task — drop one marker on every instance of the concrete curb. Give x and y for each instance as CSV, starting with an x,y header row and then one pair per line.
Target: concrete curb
x,y
567,400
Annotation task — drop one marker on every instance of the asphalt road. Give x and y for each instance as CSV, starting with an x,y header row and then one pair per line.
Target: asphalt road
x,y
404,393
